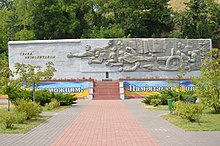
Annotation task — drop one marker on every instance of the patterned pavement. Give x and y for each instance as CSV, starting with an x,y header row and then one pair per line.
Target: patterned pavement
x,y
109,122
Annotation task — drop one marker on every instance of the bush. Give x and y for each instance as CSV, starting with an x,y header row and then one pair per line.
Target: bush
x,y
53,104
65,99
43,96
7,119
189,111
178,107
147,100
155,102
20,94
31,109
20,117
167,94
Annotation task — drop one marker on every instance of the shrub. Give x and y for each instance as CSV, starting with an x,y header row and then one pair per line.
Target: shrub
x,y
147,100
155,102
20,117
32,109
20,94
65,99
178,107
53,104
7,119
167,94
43,96
189,111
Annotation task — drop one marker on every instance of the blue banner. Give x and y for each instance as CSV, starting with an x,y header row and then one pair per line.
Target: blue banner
x,y
146,88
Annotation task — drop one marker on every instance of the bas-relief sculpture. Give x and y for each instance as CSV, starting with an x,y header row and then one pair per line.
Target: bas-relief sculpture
x,y
131,55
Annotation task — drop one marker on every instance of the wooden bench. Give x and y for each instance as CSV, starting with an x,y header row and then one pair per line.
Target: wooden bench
x,y
190,100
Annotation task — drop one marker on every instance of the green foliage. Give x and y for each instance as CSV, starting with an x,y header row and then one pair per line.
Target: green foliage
x,y
155,102
178,107
200,19
65,99
32,109
32,75
174,94
4,69
208,87
167,94
7,119
7,86
52,105
106,32
192,112
20,117
18,94
147,100
43,97
25,35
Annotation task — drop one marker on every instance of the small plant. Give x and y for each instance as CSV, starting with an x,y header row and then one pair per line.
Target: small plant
x,y
178,107
155,102
20,117
52,105
65,99
147,100
7,119
189,111
43,97
32,109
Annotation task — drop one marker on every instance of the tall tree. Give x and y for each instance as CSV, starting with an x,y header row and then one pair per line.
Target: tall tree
x,y
200,19
214,11
57,19
143,18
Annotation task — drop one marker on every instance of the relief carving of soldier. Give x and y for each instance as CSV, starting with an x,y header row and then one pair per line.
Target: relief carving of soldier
x,y
127,57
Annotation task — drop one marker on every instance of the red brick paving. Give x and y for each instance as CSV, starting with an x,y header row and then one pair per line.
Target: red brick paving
x,y
105,123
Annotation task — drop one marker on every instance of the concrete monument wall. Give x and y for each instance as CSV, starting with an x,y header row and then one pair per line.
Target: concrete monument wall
x,y
121,58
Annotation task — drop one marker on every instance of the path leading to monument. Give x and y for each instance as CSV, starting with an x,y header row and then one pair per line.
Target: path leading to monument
x,y
46,132
105,123
118,122
166,133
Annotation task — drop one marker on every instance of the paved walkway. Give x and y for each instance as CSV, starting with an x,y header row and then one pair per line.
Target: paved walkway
x,y
167,134
47,132
105,123
122,123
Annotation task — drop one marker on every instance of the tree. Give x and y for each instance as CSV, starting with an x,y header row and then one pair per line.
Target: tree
x,y
143,18
7,86
194,22
200,19
32,75
214,9
208,86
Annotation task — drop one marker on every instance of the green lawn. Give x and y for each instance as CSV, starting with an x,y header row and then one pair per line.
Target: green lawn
x,y
59,109
20,128
23,128
208,122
